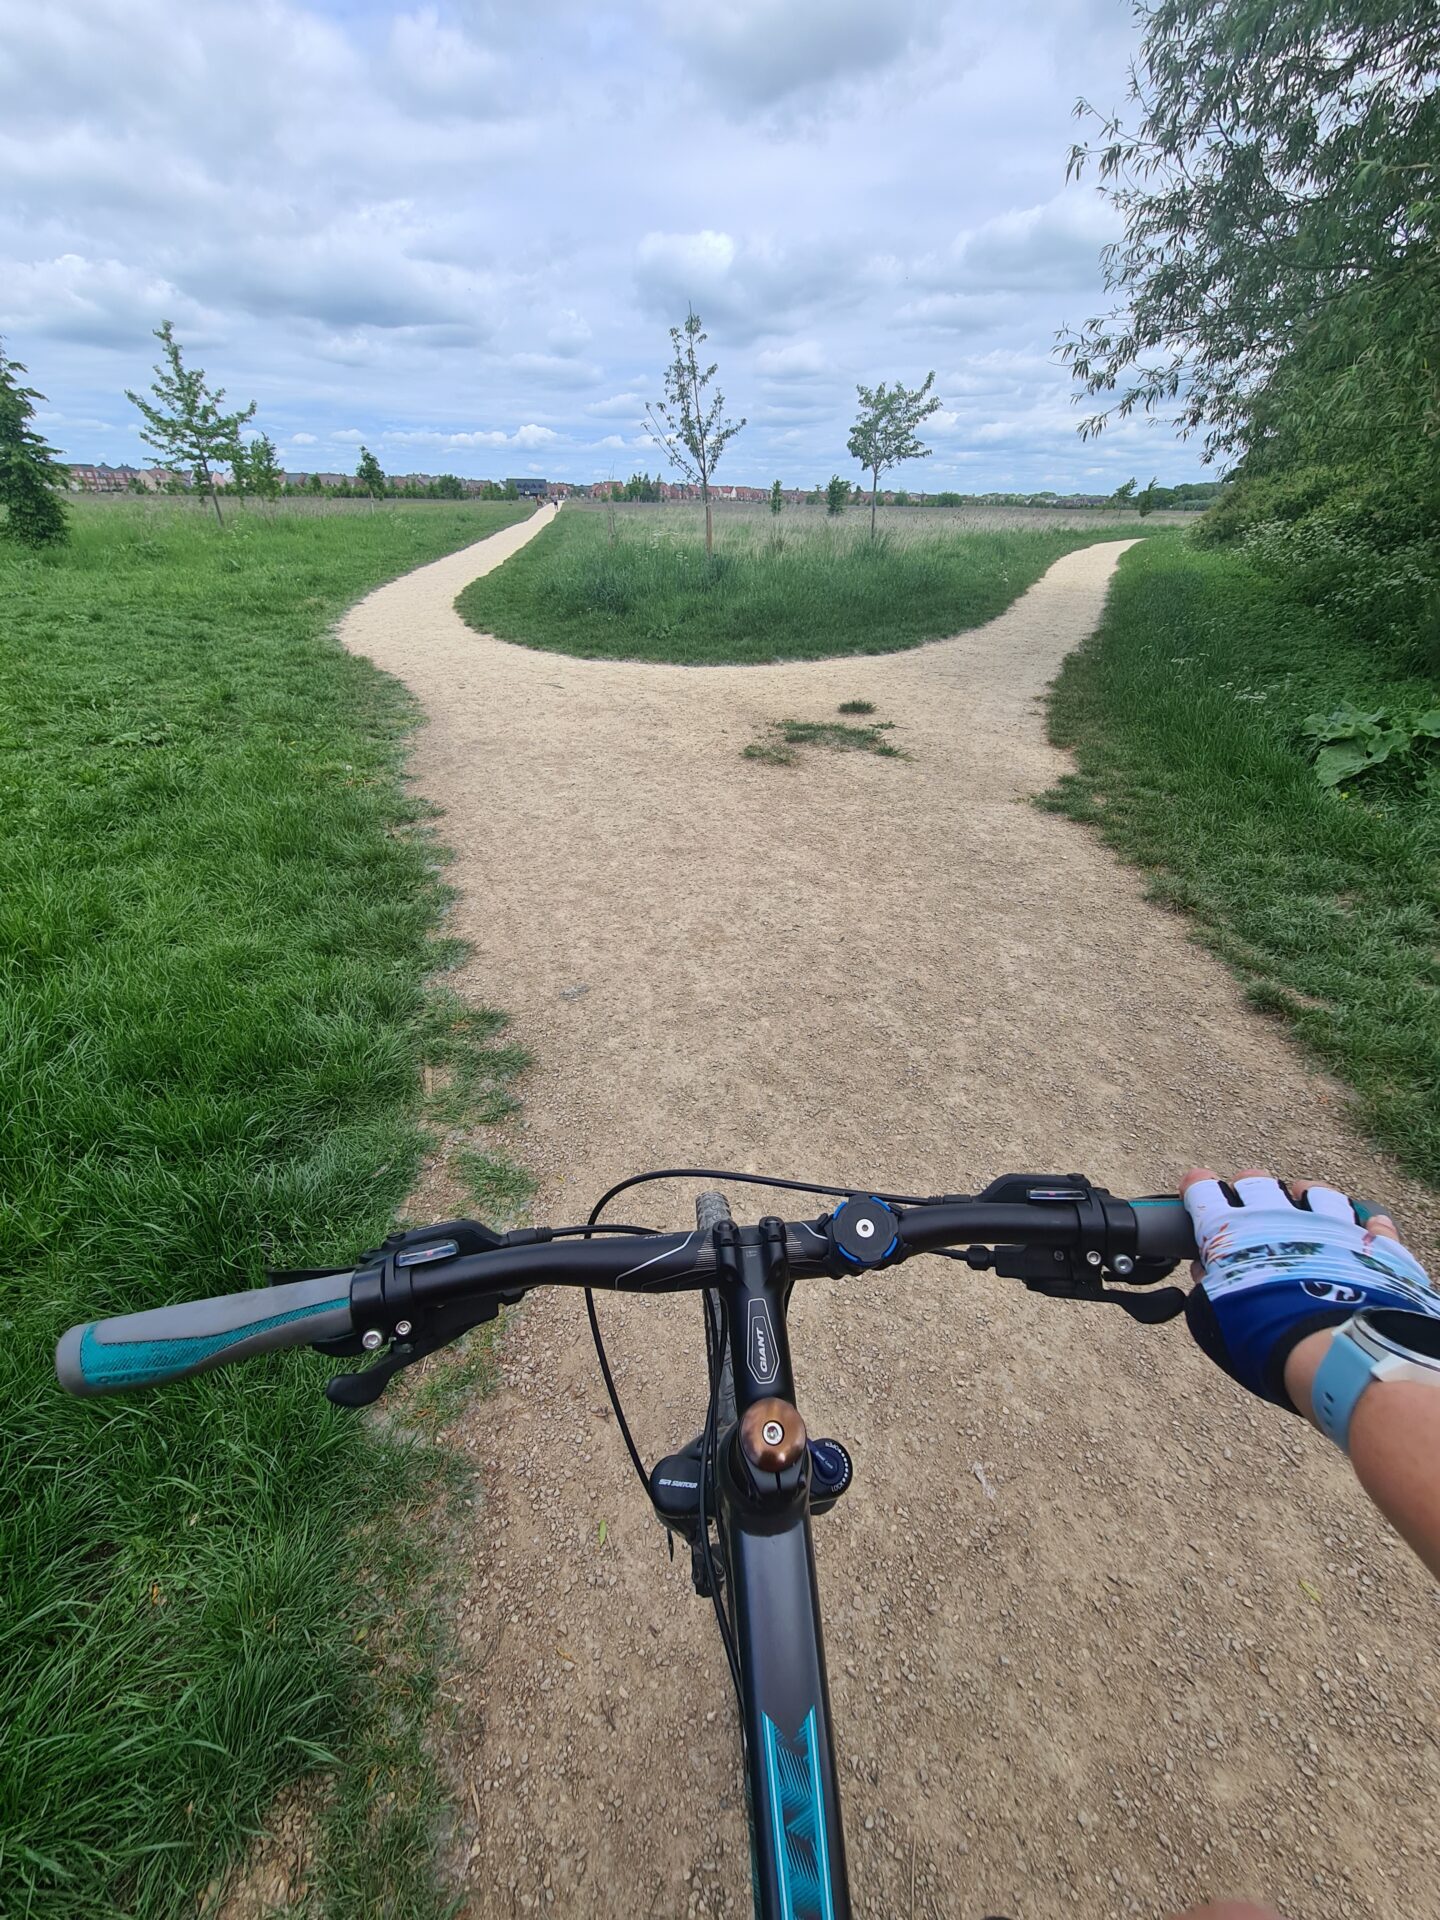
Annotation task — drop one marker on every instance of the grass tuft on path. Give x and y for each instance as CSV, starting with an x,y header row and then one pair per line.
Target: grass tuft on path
x,y
777,747
803,594
217,911
1185,712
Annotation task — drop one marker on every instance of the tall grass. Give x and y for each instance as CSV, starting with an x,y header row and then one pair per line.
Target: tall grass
x,y
216,919
1185,712
802,589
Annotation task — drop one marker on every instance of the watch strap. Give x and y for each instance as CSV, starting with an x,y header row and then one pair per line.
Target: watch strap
x,y
1341,1378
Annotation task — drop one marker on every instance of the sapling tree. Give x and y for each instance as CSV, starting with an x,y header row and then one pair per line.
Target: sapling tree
x,y
31,477
186,423
690,422
837,496
256,469
369,475
885,434
777,498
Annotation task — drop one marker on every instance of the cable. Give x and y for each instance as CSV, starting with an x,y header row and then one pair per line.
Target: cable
x,y
585,1232
609,1378
760,1180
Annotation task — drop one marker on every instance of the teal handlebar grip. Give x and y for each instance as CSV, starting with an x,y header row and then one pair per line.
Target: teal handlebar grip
x,y
169,1343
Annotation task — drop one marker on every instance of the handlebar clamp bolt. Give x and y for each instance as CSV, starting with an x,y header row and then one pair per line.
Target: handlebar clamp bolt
x,y
1123,1264
402,1329
371,1339
1092,1259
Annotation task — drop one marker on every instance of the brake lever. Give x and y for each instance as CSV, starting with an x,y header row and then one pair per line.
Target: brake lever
x,y
1064,1277
442,1326
1150,1309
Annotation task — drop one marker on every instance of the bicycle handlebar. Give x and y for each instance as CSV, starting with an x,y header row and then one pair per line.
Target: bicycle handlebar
x,y
431,1291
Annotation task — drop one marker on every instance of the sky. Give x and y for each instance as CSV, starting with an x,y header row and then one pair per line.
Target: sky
x,y
459,233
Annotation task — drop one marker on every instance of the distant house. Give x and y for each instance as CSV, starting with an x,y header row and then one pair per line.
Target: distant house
x,y
530,489
103,479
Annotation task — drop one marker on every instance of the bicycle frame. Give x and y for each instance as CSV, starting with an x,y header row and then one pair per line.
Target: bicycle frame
x,y
796,1838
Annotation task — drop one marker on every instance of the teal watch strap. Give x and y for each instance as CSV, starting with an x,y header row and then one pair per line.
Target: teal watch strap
x,y
1341,1378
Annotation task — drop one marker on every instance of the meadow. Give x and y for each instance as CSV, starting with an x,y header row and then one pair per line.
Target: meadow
x,y
1186,711
635,583
218,916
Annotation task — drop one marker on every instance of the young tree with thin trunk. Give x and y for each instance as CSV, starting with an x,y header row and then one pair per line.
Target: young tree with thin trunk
x,y
257,470
369,475
691,428
186,426
885,434
777,498
30,475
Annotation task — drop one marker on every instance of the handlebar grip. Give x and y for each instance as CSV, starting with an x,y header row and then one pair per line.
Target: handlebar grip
x,y
168,1343
1163,1229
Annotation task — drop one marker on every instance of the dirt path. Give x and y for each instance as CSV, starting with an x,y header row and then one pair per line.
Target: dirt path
x,y
1162,1648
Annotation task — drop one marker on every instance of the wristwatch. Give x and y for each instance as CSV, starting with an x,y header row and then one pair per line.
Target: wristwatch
x,y
1379,1343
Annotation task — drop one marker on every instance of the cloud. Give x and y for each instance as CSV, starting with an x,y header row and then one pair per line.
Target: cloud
x,y
619,406
754,287
753,54
554,370
1055,245
302,439
799,360
437,67
98,303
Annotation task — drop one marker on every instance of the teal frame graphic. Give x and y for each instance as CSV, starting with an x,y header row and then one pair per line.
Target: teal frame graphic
x,y
797,1814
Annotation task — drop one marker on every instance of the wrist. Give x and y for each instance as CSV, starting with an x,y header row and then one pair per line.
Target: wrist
x,y
1302,1367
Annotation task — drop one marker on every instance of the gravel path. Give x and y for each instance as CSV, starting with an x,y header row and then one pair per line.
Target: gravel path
x,y
1105,1636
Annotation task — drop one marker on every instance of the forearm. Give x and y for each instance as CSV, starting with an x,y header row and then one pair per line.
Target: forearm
x,y
1394,1446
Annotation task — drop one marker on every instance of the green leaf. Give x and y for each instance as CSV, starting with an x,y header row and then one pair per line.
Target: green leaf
x,y
1427,725
1334,764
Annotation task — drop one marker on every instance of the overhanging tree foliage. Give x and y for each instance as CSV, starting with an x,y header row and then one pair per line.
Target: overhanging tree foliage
x,y
885,434
1279,274
692,429
185,424
31,476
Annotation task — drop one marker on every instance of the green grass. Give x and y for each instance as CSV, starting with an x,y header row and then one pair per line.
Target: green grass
x,y
217,914
799,593
777,747
1184,711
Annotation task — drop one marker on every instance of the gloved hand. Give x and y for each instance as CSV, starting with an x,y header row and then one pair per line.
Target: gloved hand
x,y
1277,1264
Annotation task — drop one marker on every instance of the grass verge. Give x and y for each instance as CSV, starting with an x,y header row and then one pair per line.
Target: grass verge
x,y
1184,711
217,916
652,593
